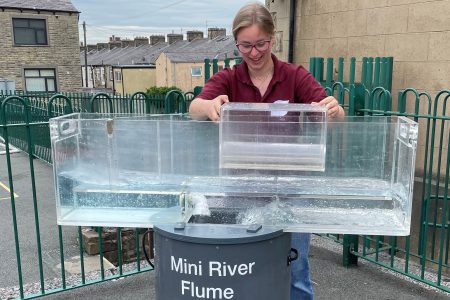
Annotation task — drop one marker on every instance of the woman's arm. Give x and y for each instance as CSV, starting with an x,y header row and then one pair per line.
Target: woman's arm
x,y
201,109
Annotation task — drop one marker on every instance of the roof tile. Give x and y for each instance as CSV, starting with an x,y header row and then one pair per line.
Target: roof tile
x,y
51,5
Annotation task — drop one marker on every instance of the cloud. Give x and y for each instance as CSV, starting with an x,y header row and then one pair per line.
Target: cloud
x,y
133,18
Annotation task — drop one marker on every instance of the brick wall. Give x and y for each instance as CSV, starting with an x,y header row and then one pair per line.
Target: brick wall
x,y
62,53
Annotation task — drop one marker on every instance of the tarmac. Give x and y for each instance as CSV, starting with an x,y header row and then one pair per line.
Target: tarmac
x,y
331,280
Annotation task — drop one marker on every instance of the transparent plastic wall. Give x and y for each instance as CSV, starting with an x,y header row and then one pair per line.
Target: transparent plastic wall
x,y
114,170
124,170
273,136
364,187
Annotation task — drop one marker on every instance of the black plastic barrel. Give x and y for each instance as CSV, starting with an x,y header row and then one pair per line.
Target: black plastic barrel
x,y
222,262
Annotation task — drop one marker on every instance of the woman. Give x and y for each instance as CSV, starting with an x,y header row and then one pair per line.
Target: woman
x,y
263,78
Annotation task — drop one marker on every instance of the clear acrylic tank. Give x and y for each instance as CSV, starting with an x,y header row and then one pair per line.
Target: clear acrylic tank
x,y
272,164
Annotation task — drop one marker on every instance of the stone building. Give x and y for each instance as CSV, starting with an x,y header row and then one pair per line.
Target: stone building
x,y
177,62
415,32
40,45
184,67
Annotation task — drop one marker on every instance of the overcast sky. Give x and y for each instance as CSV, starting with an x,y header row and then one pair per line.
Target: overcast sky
x,y
131,18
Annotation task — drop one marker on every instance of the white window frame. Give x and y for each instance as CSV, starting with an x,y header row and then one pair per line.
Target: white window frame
x,y
118,75
46,78
196,68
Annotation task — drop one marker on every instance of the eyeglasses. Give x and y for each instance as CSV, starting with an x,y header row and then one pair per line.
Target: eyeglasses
x,y
246,48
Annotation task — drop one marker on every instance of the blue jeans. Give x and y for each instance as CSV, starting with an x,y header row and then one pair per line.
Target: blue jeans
x,y
301,286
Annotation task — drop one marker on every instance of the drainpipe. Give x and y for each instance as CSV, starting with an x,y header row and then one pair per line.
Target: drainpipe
x,y
114,81
292,9
123,81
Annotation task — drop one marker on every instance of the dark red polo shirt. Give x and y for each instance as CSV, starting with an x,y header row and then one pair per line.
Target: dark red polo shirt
x,y
289,82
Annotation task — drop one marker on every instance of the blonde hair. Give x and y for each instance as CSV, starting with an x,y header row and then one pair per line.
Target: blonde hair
x,y
253,13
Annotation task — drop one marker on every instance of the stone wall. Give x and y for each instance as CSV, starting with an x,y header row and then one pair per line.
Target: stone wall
x,y
280,15
62,52
91,244
415,32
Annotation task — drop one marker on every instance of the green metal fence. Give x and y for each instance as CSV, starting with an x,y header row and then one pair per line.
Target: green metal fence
x,y
42,106
82,102
24,124
424,254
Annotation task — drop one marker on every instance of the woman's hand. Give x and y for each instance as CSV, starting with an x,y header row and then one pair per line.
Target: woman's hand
x,y
335,111
201,109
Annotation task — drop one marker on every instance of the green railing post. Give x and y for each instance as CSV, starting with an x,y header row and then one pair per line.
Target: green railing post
x,y
312,66
61,256
35,206
318,69
119,250
207,70
350,244
100,244
341,69
138,246
389,70
11,188
81,251
329,75
364,72
378,76
352,87
215,65
370,73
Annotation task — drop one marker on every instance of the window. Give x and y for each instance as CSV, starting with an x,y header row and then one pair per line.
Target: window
x,y
118,75
30,31
40,80
196,71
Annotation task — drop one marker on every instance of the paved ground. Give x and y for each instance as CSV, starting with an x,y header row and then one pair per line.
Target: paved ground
x,y
25,223
331,279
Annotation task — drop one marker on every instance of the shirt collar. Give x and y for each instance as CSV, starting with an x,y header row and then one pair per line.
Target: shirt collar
x,y
244,76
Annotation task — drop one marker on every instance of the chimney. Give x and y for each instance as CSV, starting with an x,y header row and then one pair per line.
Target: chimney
x,y
101,46
114,38
215,32
194,34
139,41
127,43
114,44
155,39
174,37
